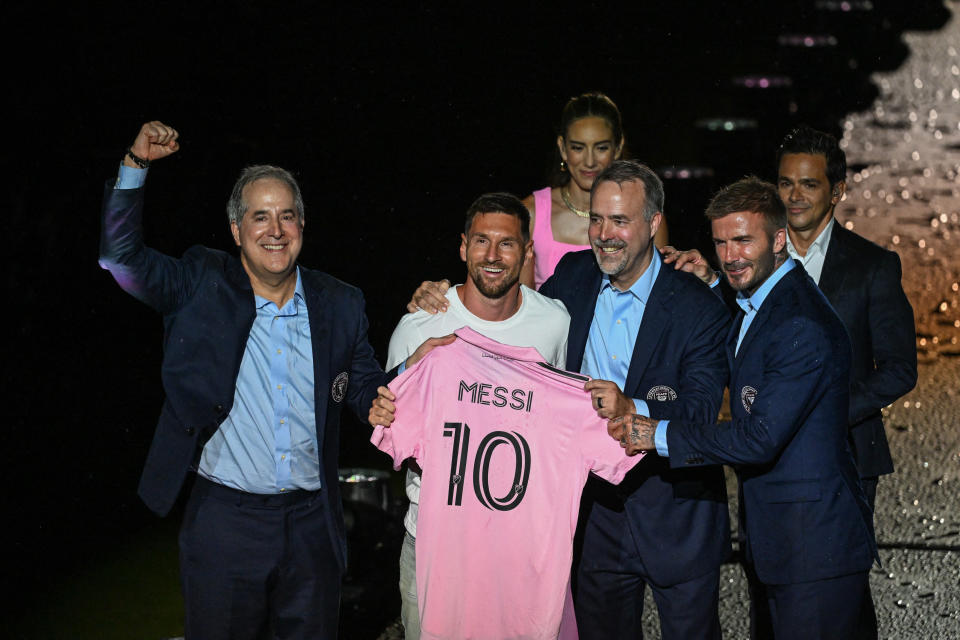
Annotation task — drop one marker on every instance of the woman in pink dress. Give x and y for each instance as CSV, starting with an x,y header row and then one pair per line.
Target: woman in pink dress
x,y
589,138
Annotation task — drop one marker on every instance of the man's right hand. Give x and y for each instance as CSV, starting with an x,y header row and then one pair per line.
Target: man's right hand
x,y
155,141
430,296
690,261
382,411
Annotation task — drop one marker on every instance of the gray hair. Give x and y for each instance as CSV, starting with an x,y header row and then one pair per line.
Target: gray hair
x,y
621,171
236,207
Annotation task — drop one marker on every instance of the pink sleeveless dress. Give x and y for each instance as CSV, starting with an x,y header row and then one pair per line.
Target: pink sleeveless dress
x,y
548,250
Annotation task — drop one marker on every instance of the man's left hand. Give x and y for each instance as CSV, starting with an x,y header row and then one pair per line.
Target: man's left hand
x,y
428,346
608,400
382,411
634,432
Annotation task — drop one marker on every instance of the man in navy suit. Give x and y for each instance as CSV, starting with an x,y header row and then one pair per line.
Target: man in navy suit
x,y
652,340
260,355
862,282
808,534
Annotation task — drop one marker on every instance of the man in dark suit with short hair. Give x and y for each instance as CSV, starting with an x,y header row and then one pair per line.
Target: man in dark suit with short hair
x,y
652,339
259,357
808,535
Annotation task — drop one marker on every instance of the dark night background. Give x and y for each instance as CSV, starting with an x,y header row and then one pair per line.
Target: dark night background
x,y
394,119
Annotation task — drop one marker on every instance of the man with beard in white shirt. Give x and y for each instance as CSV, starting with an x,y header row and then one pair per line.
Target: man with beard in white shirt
x,y
495,245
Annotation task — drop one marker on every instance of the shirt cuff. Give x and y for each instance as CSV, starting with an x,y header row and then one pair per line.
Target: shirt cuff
x,y
660,438
717,281
642,408
130,178
401,367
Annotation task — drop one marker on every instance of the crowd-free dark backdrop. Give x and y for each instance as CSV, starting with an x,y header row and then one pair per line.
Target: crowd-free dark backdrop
x,y
394,118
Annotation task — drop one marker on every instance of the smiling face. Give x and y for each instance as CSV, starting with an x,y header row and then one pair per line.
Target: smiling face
x,y
494,251
806,192
270,234
588,147
620,236
746,249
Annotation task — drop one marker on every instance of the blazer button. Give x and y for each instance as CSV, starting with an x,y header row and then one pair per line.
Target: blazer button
x,y
218,409
190,431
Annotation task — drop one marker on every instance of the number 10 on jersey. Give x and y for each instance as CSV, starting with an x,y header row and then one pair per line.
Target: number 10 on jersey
x,y
460,433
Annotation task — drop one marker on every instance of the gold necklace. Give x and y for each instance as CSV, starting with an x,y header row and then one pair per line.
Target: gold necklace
x,y
566,201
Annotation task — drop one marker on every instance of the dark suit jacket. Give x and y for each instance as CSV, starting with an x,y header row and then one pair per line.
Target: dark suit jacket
x,y
806,517
208,309
862,282
679,518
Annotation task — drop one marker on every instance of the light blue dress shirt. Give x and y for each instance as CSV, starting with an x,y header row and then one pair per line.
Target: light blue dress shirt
x,y
130,178
613,331
268,442
750,306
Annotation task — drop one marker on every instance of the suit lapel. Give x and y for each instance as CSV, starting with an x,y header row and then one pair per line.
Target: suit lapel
x,y
767,309
581,316
320,320
834,271
656,315
732,338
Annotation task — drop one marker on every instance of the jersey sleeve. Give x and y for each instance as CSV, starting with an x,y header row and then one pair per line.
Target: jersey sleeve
x,y
603,455
404,438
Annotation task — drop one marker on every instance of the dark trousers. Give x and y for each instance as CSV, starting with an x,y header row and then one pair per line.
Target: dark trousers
x,y
867,622
611,580
818,610
255,567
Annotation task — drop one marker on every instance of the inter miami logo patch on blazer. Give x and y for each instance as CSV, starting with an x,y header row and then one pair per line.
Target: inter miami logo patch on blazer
x,y
747,396
661,393
339,388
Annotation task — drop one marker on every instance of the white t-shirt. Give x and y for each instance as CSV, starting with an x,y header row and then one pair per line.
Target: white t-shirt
x,y
540,322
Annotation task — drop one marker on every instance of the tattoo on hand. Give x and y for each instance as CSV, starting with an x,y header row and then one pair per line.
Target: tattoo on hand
x,y
641,432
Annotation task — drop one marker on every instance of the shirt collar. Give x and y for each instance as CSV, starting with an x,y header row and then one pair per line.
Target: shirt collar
x,y
298,294
820,243
753,302
644,285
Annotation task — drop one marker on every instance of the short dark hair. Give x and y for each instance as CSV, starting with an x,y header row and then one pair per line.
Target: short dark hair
x,y
587,105
621,171
808,140
500,202
236,207
750,194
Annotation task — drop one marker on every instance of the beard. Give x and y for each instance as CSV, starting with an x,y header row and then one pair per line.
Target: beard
x,y
605,262
494,291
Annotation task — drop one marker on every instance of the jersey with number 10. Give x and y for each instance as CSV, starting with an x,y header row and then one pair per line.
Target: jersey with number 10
x,y
506,443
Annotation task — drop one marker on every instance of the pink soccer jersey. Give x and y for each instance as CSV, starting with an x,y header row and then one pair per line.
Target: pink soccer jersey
x,y
505,443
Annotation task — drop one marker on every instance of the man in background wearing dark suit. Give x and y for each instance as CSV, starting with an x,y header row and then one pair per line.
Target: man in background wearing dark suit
x,y
808,535
259,357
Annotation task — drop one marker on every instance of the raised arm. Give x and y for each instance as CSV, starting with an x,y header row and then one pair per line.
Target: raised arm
x,y
148,275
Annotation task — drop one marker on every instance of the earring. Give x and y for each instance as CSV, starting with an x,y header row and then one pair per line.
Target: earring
x,y
563,166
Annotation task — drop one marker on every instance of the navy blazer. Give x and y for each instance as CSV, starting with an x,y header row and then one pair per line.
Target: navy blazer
x,y
862,282
208,309
679,518
806,517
